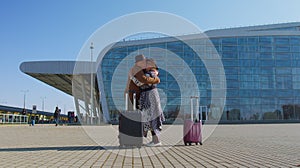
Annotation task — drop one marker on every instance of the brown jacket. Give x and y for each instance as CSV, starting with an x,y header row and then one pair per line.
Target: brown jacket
x,y
131,87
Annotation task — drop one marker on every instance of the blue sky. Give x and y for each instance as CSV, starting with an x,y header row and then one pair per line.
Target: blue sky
x,y
35,30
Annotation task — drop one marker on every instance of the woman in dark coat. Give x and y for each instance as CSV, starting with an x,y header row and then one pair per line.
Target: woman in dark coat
x,y
151,106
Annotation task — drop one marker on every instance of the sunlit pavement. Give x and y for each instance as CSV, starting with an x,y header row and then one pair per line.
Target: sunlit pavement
x,y
259,145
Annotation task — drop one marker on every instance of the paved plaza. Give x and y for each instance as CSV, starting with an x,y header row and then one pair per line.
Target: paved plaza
x,y
257,145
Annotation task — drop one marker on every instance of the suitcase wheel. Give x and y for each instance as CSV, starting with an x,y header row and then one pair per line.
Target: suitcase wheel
x,y
190,143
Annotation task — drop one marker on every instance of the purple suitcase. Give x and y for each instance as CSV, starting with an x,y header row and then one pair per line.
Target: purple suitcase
x,y
192,130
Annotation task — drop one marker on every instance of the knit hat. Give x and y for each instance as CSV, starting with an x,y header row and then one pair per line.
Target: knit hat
x,y
140,57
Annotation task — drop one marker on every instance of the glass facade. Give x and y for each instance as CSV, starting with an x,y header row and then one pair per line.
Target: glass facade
x,y
262,74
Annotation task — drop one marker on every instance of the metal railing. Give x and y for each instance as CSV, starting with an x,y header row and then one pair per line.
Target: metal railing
x,y
13,119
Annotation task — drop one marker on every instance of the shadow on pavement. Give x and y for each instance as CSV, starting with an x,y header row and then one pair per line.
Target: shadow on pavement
x,y
73,148
64,148
143,146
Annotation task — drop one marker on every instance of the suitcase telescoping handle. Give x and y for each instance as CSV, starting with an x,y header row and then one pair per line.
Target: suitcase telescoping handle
x,y
192,107
134,101
126,101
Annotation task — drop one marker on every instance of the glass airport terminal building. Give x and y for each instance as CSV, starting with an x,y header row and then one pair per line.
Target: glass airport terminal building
x,y
261,66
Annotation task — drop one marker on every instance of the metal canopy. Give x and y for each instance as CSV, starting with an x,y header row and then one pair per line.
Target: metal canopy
x,y
59,74
62,82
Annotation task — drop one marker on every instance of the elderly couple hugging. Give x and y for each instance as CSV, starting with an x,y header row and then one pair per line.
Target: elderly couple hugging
x,y
143,80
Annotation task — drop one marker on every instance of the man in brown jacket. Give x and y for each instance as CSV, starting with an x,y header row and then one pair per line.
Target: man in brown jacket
x,y
137,78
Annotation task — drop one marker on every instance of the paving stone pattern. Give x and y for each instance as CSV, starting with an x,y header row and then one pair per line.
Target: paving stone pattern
x,y
258,145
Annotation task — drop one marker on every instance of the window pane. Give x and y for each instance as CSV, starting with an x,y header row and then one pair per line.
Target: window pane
x,y
281,40
266,40
229,41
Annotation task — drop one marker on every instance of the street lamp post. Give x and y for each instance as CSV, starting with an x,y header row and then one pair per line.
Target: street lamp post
x,y
43,106
92,95
24,91
43,103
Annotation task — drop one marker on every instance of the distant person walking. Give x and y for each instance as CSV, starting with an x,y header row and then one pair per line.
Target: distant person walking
x,y
56,115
